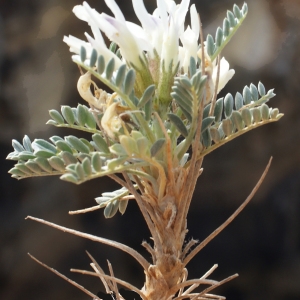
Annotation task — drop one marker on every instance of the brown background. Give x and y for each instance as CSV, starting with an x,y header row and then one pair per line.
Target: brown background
x,y
262,244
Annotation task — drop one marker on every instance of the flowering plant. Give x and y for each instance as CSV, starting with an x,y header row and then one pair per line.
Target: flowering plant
x,y
165,80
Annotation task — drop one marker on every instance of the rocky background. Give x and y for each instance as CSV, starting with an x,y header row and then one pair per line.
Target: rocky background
x,y
262,244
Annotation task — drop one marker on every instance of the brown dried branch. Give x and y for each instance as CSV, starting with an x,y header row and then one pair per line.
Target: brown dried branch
x,y
115,286
117,280
230,219
138,257
66,278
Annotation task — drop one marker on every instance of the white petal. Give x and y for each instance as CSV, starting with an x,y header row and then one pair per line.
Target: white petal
x,y
113,6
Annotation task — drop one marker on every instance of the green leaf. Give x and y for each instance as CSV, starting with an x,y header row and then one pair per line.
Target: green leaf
x,y
261,89
24,169
34,167
43,164
17,146
227,127
247,116
129,82
146,96
143,146
237,11
178,124
122,206
120,75
192,66
93,58
111,209
215,134
117,149
226,27
100,143
86,165
265,114
218,110
57,163
81,115
25,155
96,162
39,144
56,116
157,146
63,146
247,95
100,64
69,177
68,158
239,101
79,171
115,163
237,120
228,105
44,153
129,144
256,114
110,68
254,92
219,37
210,45
231,18
82,54
206,123
68,114
77,144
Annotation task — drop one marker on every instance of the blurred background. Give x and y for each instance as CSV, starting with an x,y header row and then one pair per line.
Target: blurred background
x,y
262,244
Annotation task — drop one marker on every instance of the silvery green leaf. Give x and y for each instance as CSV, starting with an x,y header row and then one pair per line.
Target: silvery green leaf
x,y
120,75
192,66
87,143
178,124
215,134
129,82
68,114
55,138
231,18
221,132
210,45
113,47
23,169
256,114
86,165
68,158
77,144
56,163
228,105
82,54
157,147
218,110
110,68
43,153
136,134
206,123
270,94
247,95
25,155
237,120
100,64
245,9
206,110
274,113
122,206
69,177
93,58
34,167
51,122
185,82
143,146
265,112
56,116
219,37
40,144
129,144
237,11
116,162
81,115
206,138
100,143
148,110
238,101
96,162
17,146
43,164
254,92
227,127
247,116
226,27
79,171
117,149
261,89
17,172
111,209
184,94
90,120
146,96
